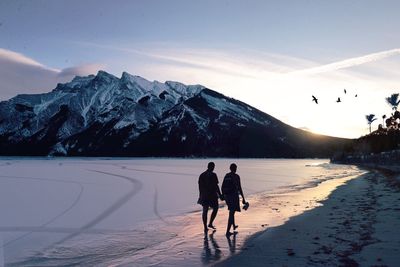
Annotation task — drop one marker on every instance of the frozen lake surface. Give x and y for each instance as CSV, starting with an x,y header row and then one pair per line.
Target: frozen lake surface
x,y
111,211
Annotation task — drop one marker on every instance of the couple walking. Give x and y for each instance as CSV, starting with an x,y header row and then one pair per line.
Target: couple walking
x,y
210,192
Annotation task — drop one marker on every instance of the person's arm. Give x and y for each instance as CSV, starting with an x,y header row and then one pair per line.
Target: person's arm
x,y
218,189
200,186
240,190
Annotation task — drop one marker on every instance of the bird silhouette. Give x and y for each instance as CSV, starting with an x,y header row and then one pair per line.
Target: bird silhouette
x,y
345,91
315,99
355,96
338,100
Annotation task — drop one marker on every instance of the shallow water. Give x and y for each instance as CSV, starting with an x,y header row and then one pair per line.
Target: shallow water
x,y
138,211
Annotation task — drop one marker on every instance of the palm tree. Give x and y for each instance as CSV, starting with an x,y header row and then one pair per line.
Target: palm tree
x,y
393,100
370,118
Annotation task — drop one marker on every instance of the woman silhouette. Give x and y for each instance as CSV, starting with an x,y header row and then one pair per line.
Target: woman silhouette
x,y
231,188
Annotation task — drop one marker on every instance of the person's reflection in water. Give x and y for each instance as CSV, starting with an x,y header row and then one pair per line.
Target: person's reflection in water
x,y
210,253
232,244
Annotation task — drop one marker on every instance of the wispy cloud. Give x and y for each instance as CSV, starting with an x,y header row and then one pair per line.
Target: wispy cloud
x,y
80,70
348,63
242,63
20,74
260,65
250,64
11,56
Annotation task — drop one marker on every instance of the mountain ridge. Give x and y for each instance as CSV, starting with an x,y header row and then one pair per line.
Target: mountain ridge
x,y
103,115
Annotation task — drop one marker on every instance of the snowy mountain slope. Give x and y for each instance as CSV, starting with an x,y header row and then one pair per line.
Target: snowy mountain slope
x,y
104,115
210,124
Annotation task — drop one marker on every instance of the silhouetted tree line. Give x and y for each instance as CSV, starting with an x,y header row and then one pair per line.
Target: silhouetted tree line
x,y
381,146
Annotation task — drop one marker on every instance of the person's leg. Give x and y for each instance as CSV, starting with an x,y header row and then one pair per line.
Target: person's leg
x,y
212,218
204,217
231,219
233,222
237,207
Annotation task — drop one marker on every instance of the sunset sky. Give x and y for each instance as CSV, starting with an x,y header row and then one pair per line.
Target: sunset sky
x,y
273,55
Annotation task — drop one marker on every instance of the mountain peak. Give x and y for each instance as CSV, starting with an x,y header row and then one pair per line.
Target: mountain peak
x,y
186,90
103,75
126,77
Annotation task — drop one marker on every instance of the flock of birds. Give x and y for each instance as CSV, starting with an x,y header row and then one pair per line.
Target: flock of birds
x,y
337,101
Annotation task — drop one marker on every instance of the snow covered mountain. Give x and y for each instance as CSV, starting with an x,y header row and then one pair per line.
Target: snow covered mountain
x,y
104,115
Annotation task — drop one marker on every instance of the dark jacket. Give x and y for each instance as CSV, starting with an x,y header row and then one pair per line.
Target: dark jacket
x,y
231,184
208,186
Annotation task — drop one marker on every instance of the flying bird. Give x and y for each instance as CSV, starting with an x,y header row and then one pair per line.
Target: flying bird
x,y
338,100
355,95
315,99
345,91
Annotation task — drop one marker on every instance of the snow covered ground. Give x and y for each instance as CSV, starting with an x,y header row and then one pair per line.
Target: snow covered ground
x,y
138,211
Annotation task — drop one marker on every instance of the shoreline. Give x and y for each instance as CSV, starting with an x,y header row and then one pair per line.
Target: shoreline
x,y
149,220
179,240
355,226
271,209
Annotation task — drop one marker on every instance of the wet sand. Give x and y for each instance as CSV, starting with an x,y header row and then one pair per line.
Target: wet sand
x,y
356,226
191,247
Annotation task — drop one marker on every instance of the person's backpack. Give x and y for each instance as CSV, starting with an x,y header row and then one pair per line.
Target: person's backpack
x,y
228,185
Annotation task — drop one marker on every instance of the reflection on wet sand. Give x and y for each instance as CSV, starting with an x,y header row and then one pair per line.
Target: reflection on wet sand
x,y
210,253
232,243
267,210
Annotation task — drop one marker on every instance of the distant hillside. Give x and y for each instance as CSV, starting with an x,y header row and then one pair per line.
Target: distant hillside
x,y
104,115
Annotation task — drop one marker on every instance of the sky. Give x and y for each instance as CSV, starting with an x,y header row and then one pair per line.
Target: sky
x,y
273,55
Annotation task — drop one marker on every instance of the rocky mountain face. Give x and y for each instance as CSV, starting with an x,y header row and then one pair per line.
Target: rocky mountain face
x,y
104,115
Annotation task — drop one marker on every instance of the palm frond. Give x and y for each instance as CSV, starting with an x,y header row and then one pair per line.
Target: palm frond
x,y
393,100
370,118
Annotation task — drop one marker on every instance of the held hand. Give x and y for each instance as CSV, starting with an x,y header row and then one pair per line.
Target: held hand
x,y
243,201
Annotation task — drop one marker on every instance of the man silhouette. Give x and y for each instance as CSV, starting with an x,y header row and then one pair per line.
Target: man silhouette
x,y
209,192
231,188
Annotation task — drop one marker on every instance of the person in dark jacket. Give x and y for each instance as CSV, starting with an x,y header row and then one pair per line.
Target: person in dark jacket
x,y
231,188
209,193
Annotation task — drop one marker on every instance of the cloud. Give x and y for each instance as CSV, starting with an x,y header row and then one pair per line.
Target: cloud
x,y
237,62
12,56
243,62
80,70
348,63
274,68
20,74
